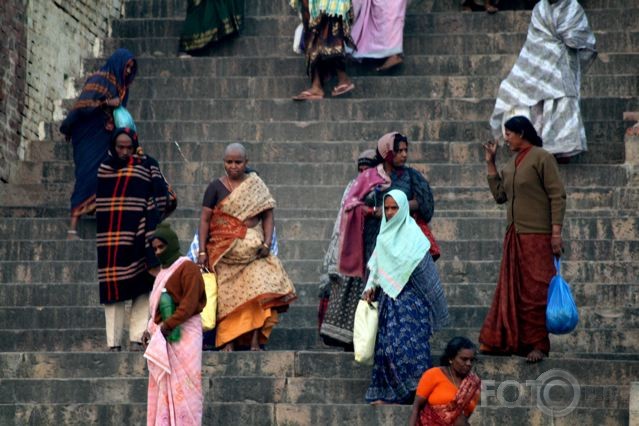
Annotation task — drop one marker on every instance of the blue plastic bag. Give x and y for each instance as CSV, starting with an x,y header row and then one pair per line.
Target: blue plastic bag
x,y
123,118
561,312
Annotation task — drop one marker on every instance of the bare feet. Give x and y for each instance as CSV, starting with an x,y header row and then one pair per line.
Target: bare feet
x,y
391,61
229,347
378,402
255,341
535,356
72,235
490,8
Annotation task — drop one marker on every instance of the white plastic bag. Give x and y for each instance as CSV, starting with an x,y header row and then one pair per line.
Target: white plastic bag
x,y
365,332
297,39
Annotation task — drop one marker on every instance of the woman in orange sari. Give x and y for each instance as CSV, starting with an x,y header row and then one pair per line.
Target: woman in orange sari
x,y
447,395
236,227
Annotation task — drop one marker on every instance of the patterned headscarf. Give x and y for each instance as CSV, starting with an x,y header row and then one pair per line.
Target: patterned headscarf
x,y
386,145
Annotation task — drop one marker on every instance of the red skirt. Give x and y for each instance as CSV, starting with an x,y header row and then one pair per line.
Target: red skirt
x,y
516,321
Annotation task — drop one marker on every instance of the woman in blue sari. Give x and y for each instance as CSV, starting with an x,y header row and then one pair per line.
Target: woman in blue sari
x,y
412,304
89,126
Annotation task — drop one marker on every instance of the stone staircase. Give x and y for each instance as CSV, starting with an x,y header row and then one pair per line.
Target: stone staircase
x,y
52,366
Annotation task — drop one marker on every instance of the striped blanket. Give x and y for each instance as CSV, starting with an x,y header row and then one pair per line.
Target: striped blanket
x,y
545,80
130,201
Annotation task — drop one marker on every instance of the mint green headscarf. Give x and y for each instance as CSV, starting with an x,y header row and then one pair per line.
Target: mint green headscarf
x,y
400,246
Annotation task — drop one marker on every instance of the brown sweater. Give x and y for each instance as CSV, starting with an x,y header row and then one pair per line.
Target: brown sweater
x,y
186,287
534,192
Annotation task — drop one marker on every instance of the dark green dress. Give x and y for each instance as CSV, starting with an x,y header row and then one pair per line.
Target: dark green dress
x,y
208,21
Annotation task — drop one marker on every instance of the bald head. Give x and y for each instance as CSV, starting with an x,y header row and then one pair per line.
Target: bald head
x,y
235,149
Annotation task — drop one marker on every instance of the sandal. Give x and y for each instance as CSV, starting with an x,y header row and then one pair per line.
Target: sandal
x,y
307,95
342,89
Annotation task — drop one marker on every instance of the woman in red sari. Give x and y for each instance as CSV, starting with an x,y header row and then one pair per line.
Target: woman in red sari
x,y
447,395
532,189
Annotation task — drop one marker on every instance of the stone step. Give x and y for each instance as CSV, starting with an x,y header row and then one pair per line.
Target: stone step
x,y
65,317
219,413
179,92
403,109
176,8
255,389
423,44
582,340
416,22
445,5
281,173
453,153
462,250
462,294
289,364
307,270
487,65
288,197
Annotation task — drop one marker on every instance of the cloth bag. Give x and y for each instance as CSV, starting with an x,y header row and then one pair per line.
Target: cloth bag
x,y
298,42
365,332
561,312
209,313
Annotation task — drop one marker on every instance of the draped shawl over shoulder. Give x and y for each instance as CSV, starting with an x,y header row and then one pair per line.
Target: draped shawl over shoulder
x,y
130,201
401,246
559,46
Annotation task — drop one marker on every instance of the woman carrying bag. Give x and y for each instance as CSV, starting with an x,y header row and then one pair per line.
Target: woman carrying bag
x,y
532,189
412,304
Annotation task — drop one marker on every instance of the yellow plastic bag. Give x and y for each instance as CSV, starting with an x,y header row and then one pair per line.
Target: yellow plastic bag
x,y
209,313
365,332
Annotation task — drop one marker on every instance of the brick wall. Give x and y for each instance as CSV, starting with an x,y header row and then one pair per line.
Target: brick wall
x,y
52,37
13,43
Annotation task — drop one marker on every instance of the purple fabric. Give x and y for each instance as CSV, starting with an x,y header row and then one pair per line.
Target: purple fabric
x,y
378,31
351,245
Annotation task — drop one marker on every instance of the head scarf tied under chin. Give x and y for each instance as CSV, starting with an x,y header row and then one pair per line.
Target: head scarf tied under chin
x,y
367,158
401,246
172,251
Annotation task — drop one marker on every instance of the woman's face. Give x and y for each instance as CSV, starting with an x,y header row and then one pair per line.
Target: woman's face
x,y
123,146
463,361
514,141
158,246
390,207
235,164
401,155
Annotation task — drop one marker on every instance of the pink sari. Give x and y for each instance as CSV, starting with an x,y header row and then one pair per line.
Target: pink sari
x,y
175,369
378,31
351,240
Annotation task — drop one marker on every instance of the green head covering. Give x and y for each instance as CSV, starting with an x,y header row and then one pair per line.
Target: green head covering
x,y
169,237
400,246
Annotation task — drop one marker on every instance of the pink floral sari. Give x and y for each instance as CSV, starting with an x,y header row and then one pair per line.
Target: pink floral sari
x,y
175,369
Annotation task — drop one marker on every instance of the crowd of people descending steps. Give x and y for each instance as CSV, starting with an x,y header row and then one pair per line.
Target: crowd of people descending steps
x,y
381,248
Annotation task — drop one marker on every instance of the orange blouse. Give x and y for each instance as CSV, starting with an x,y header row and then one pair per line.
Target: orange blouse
x,y
437,389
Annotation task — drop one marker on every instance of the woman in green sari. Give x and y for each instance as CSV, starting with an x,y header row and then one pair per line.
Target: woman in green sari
x,y
208,21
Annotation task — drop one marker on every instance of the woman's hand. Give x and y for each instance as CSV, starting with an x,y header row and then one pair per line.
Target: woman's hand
x,y
369,295
164,329
113,102
557,245
490,151
263,251
202,258
146,336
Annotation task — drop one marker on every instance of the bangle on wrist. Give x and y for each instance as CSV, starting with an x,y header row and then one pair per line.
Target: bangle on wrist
x,y
266,246
202,253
